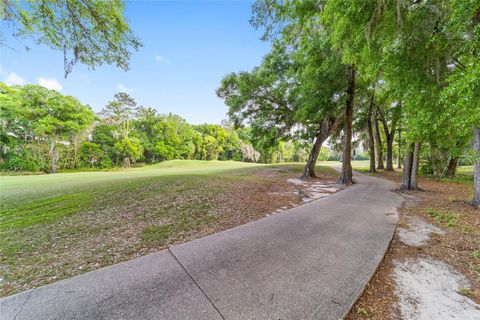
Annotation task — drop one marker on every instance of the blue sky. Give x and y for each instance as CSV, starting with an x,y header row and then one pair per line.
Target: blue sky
x,y
188,47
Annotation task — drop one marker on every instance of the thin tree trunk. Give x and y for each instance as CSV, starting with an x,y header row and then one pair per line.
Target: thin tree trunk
x,y
346,176
476,172
390,152
371,139
126,162
378,145
407,168
309,170
415,166
53,157
399,165
389,137
452,167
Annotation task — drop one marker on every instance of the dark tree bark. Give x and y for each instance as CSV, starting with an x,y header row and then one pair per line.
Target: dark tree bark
x,y
407,168
390,153
452,167
399,165
476,170
346,175
378,144
320,137
371,139
327,126
415,166
389,134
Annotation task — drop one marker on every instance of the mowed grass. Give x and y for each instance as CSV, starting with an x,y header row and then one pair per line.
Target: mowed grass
x,y
57,226
24,187
32,199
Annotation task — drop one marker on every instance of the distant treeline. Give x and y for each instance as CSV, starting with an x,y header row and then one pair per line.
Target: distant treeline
x,y
43,130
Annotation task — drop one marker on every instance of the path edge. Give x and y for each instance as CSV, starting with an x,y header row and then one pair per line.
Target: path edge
x,y
362,291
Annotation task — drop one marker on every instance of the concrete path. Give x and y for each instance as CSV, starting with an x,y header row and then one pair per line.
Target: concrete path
x,y
310,262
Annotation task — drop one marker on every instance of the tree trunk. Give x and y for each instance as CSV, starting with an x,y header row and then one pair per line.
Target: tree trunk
x,y
415,166
399,165
452,167
346,176
371,139
126,162
390,152
321,136
389,137
327,126
76,146
53,157
379,146
476,171
407,168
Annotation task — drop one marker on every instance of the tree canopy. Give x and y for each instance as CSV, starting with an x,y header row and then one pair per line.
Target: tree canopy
x,y
412,72
92,32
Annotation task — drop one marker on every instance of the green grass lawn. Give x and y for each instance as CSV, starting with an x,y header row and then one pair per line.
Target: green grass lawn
x,y
37,185
57,226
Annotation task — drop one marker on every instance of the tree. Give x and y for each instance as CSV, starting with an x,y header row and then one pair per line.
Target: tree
x,y
120,112
378,142
213,141
38,120
395,114
346,174
92,155
424,52
104,136
92,32
309,76
261,98
129,149
144,125
476,148
371,139
249,154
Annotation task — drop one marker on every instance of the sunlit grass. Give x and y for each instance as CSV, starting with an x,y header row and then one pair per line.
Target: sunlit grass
x,y
56,226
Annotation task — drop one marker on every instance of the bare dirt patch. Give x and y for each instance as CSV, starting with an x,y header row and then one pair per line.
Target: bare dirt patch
x,y
430,289
418,232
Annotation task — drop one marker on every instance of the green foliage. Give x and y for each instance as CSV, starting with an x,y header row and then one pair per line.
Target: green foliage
x,y
324,154
362,311
92,32
213,138
127,147
45,131
38,124
418,60
446,218
92,155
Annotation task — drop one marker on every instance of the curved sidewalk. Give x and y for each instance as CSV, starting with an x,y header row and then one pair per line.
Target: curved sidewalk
x,y
310,262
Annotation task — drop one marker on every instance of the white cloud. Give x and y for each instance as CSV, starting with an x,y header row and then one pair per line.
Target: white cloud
x,y
162,59
123,88
14,79
50,83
